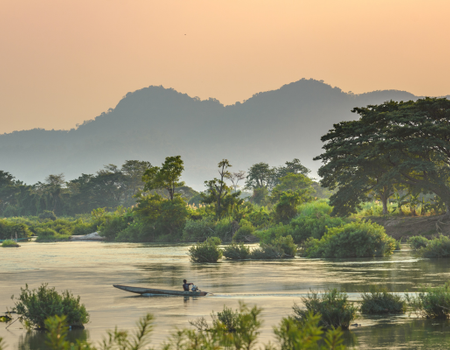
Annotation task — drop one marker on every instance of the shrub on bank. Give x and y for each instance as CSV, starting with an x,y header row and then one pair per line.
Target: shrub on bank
x,y
436,248
236,251
333,306
49,235
354,240
417,242
431,302
244,233
207,251
9,229
278,248
380,301
314,226
9,243
35,306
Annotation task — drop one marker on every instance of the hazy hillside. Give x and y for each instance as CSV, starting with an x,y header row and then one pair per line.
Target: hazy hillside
x,y
154,122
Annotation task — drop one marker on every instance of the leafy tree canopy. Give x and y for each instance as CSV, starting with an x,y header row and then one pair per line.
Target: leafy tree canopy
x,y
392,144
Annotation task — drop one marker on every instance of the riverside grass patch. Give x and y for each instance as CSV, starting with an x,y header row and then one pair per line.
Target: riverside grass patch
x,y
379,301
431,302
207,251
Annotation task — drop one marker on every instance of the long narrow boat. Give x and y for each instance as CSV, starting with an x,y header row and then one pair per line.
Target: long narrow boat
x,y
150,291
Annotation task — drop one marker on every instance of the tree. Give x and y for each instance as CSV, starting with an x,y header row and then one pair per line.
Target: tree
x,y
260,175
133,171
235,178
219,193
297,183
286,208
406,143
167,176
294,167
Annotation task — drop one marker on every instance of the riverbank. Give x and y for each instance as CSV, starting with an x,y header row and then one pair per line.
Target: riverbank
x,y
403,227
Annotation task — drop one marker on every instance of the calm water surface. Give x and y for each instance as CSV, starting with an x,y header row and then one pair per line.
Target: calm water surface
x,y
89,269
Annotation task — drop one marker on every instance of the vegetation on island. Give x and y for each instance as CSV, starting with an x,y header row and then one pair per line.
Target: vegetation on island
x,y
333,307
379,301
9,243
34,306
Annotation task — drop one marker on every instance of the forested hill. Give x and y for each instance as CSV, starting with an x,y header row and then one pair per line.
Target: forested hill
x,y
154,122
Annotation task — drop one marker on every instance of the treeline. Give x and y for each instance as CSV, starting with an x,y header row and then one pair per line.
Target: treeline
x,y
109,188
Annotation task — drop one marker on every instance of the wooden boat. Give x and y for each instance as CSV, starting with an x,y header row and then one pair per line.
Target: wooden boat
x,y
150,291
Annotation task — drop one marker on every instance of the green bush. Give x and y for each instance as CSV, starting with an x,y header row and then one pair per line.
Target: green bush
x,y
236,252
278,248
206,251
417,242
431,302
197,230
436,248
380,301
315,225
268,235
333,306
35,306
354,240
243,234
9,243
47,214
9,229
50,235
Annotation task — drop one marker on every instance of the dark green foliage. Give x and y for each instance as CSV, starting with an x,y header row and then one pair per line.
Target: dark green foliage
x,y
354,240
8,243
46,234
236,251
198,230
245,231
273,232
9,229
35,306
258,216
286,208
278,248
431,302
165,177
380,301
392,144
315,226
47,214
436,248
333,306
208,251
417,242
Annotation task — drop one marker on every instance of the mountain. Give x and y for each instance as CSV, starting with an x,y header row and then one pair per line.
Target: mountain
x,y
155,122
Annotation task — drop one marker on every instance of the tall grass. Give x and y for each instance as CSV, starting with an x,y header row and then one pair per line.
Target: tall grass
x,y
380,301
431,302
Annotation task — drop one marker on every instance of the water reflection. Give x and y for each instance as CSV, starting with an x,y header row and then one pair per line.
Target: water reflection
x,y
36,340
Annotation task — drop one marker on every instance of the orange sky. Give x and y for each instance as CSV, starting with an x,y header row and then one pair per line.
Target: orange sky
x,y
66,61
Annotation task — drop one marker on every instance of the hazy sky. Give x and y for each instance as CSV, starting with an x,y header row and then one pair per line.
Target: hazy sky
x,y
66,61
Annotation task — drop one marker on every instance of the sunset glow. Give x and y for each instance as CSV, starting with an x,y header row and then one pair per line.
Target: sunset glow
x,y
64,62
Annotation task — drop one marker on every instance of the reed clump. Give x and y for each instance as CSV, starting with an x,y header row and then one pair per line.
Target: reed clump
x,y
379,301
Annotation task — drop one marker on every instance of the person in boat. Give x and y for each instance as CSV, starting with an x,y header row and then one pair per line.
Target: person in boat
x,y
186,285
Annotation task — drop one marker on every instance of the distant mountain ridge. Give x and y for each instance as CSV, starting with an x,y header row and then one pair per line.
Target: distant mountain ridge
x,y
155,122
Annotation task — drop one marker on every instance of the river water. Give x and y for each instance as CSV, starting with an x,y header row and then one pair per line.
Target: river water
x,y
89,269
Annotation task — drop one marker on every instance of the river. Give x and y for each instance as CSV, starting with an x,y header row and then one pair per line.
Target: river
x,y
89,269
